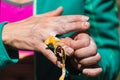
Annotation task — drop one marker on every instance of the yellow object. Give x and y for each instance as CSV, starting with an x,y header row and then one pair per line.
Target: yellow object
x,y
59,52
52,41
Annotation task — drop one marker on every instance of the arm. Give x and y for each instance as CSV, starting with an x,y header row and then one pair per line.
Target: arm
x,y
104,30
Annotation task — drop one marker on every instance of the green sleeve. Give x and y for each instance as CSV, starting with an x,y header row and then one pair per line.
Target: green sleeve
x,y
104,29
5,58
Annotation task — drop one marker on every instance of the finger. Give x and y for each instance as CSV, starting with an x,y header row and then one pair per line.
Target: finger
x,y
81,40
92,71
68,50
90,60
69,18
91,50
74,26
41,47
56,12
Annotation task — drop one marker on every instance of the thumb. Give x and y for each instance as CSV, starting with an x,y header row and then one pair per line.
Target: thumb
x,y
41,47
56,12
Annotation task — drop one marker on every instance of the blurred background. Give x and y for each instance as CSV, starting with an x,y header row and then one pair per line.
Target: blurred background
x,y
118,1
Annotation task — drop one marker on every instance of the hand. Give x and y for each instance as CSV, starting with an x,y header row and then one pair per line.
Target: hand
x,y
31,33
85,57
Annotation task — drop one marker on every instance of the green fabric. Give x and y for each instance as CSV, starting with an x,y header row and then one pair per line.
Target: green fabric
x,y
104,30
4,57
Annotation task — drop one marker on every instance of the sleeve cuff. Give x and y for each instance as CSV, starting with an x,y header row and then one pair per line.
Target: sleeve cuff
x,y
5,58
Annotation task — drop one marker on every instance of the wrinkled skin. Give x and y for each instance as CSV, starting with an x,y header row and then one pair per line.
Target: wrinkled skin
x,y
84,56
30,34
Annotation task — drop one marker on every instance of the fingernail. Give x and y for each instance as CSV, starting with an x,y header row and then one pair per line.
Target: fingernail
x,y
59,64
85,24
85,18
60,7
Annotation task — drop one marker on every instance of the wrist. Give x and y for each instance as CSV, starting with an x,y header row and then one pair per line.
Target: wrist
x,y
6,34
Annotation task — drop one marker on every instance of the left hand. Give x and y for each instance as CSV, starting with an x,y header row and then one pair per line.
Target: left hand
x,y
85,56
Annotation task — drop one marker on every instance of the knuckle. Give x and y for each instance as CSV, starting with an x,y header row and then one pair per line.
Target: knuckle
x,y
77,53
63,28
73,46
85,42
93,50
84,39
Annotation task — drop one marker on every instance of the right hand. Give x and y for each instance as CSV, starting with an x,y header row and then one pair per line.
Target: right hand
x,y
30,33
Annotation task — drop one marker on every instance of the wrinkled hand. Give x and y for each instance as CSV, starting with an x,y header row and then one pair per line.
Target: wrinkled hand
x,y
30,33
84,57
